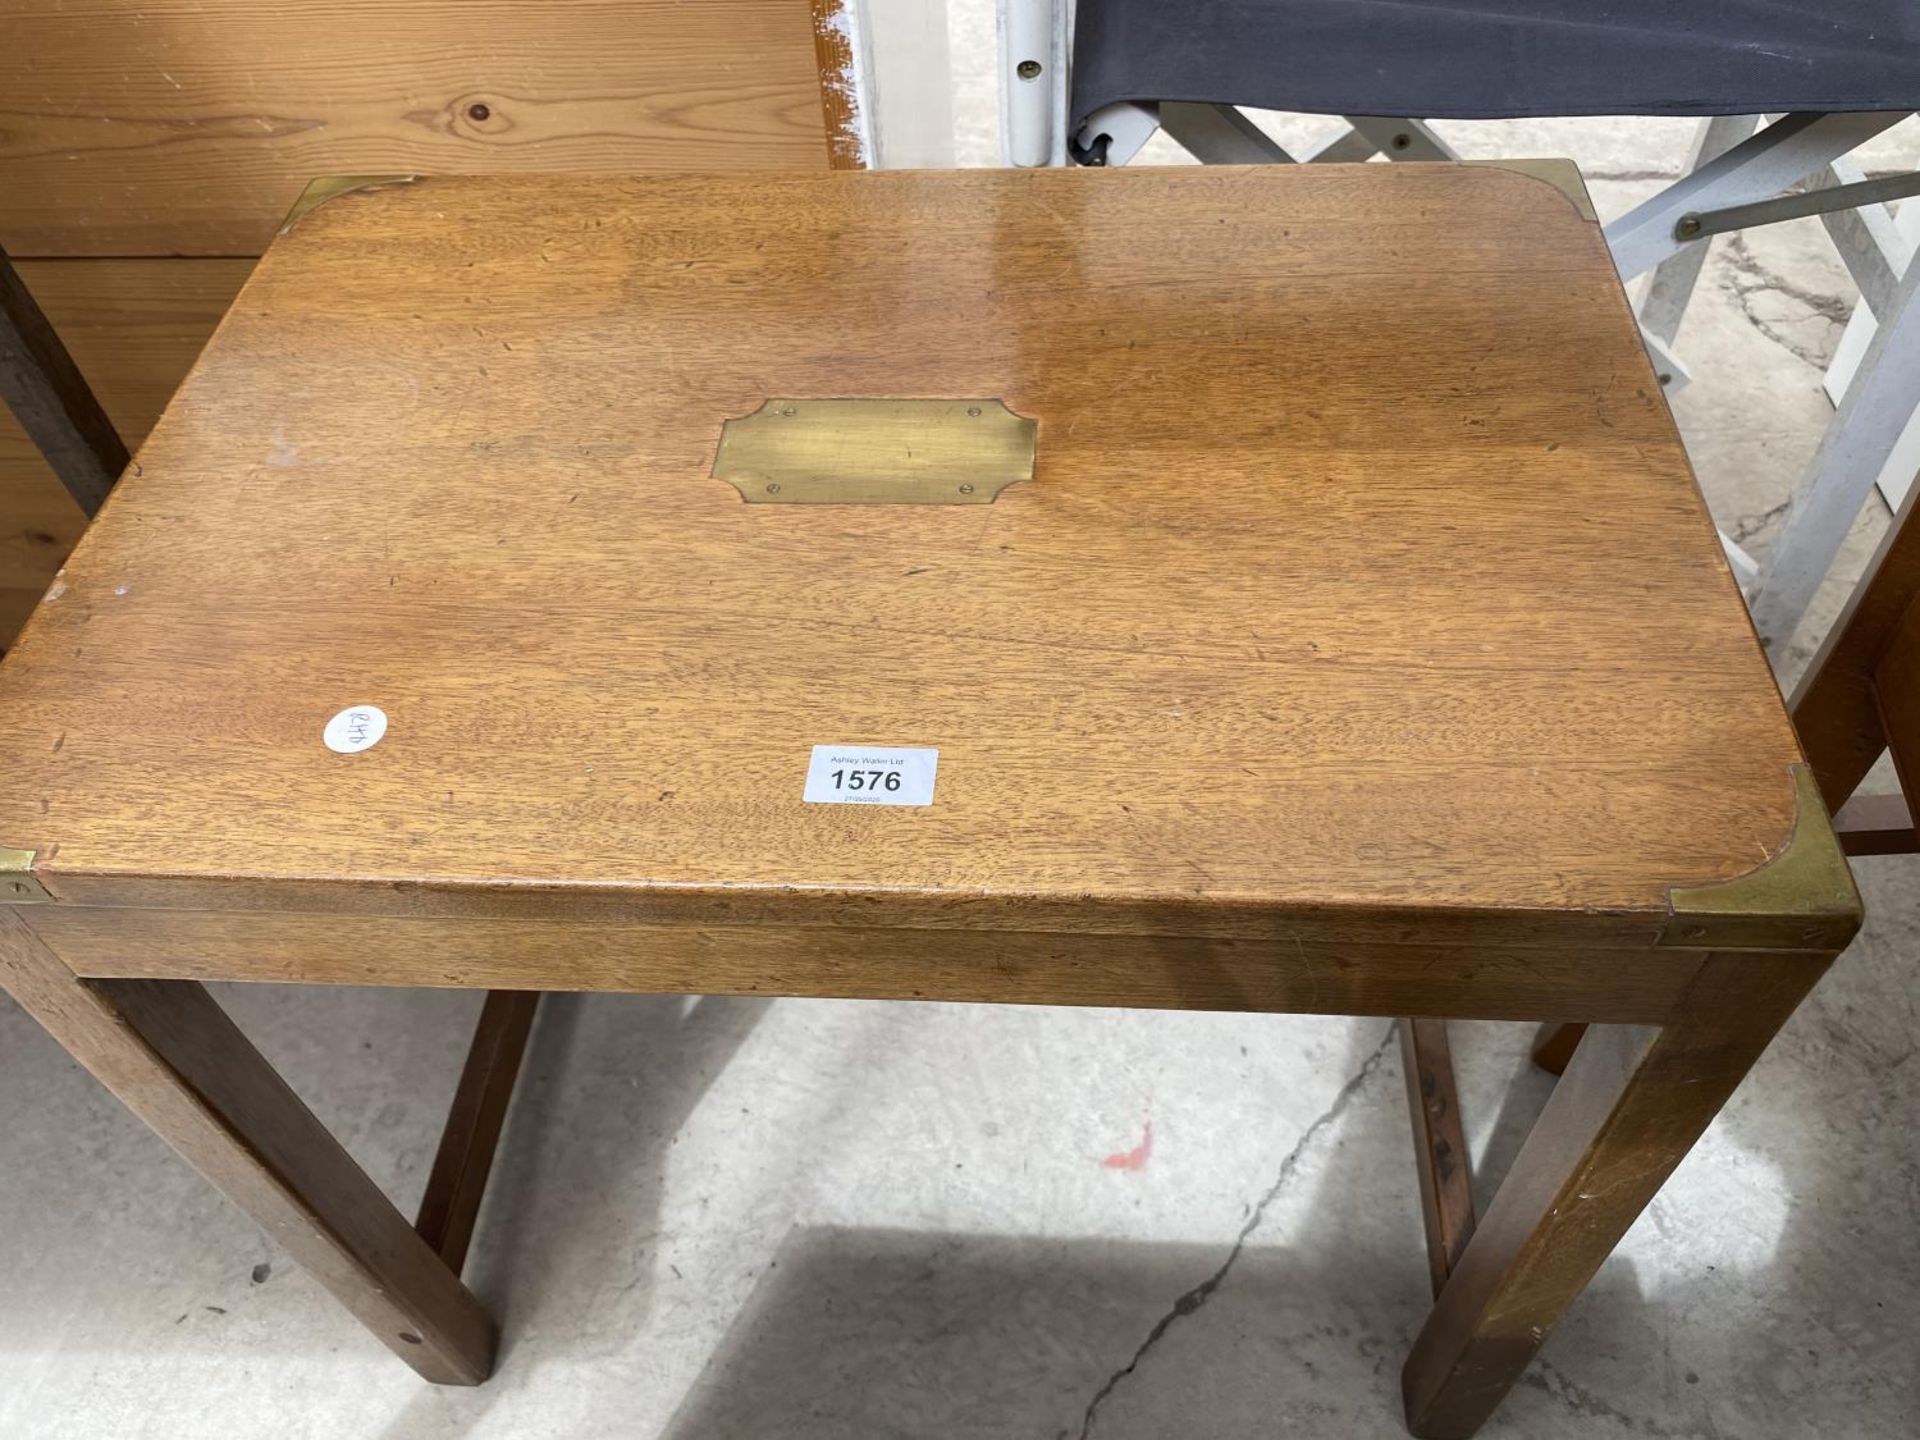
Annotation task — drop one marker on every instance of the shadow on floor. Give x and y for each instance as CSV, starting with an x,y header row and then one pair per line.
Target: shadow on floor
x,y
897,1333
607,1082
1300,1329
634,1067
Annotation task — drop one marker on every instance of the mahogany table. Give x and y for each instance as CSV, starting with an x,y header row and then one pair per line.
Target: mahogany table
x,y
1273,589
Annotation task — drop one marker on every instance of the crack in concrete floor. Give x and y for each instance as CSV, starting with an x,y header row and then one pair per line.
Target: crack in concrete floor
x,y
1748,276
1748,526
1200,1294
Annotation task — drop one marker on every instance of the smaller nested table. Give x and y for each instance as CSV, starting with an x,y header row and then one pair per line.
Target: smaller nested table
x,y
1274,590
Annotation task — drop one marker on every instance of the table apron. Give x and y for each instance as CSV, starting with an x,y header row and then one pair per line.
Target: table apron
x,y
1364,977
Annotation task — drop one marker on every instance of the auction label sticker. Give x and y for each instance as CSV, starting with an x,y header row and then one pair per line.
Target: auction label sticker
x,y
357,728
870,775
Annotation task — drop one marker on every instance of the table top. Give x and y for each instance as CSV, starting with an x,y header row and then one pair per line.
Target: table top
x,y
1360,569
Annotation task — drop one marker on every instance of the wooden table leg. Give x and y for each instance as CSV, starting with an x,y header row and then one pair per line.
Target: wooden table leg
x,y
1554,1044
1630,1106
47,394
1439,1144
458,1180
172,1055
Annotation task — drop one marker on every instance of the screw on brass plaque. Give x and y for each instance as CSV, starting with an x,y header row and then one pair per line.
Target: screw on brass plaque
x,y
875,452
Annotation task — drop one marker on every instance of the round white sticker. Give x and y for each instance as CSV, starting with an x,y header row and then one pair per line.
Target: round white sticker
x,y
356,728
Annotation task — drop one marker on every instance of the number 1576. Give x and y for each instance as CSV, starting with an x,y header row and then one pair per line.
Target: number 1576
x,y
866,779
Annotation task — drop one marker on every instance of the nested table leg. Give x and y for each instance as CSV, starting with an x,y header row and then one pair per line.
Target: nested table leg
x,y
1554,1044
48,395
172,1055
1439,1144
1633,1101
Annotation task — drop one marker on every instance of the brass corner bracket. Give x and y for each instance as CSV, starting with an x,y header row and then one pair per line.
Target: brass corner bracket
x,y
875,452
332,187
1562,175
1801,899
18,884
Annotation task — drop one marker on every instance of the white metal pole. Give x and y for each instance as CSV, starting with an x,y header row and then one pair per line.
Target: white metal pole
x,y
1032,94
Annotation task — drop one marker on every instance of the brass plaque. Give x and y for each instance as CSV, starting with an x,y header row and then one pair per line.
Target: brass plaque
x,y
875,452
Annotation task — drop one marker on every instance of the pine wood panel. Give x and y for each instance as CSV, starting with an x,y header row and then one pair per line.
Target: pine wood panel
x,y
15,606
134,327
154,127
1361,572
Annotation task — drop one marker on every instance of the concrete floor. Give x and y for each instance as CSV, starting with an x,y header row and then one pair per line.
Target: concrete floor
x,y
723,1219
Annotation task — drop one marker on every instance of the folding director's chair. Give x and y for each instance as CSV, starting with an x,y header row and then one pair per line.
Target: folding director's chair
x,y
1095,84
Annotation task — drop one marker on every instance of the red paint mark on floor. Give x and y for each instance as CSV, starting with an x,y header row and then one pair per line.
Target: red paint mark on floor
x,y
1136,1158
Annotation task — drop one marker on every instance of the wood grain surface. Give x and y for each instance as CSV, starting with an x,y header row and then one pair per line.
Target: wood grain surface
x,y
133,327
1837,706
1443,1165
1896,684
1361,571
1876,824
457,1184
187,127
1288,975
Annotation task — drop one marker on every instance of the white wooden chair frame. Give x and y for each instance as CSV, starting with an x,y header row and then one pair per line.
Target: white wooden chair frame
x,y
1876,428
1900,472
